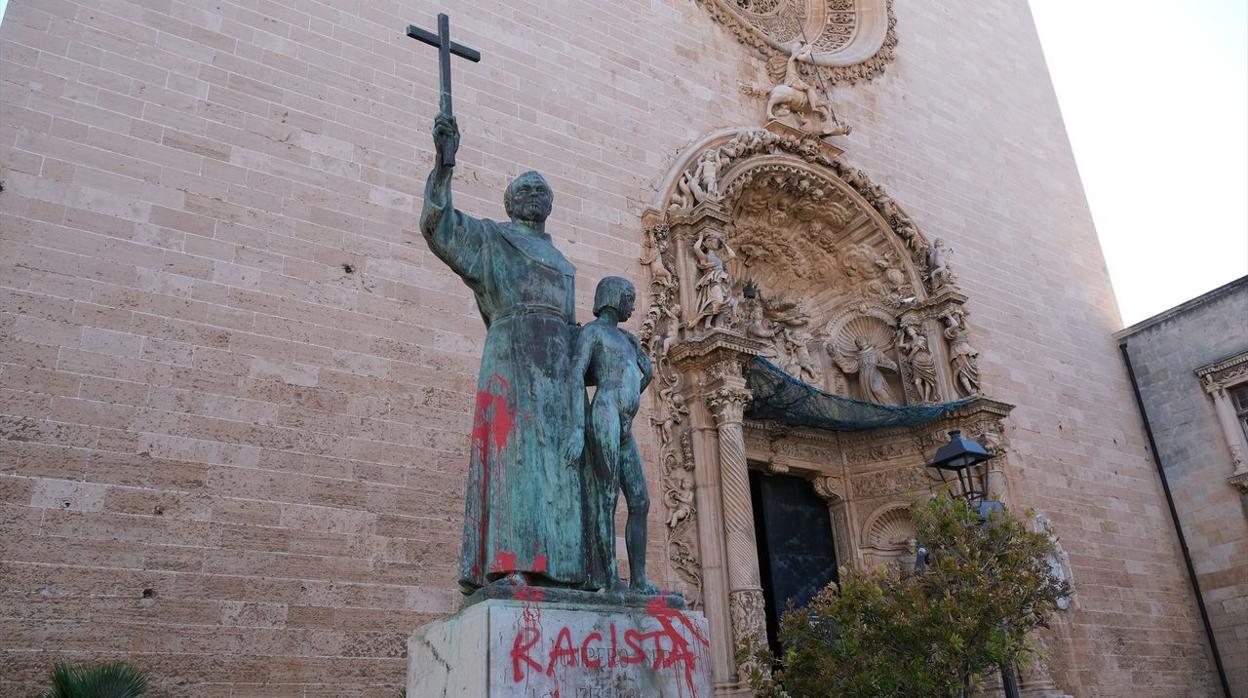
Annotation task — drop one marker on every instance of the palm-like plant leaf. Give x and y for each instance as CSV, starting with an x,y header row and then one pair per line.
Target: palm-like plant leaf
x,y
110,680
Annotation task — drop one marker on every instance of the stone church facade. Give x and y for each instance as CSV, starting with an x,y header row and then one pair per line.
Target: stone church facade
x,y
238,387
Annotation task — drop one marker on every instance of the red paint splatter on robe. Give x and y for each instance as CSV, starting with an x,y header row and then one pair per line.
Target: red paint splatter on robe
x,y
504,562
491,426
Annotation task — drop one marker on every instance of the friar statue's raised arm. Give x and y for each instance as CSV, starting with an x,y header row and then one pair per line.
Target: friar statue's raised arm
x,y
523,515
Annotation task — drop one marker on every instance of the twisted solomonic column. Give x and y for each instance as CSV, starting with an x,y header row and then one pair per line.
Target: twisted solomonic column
x,y
745,595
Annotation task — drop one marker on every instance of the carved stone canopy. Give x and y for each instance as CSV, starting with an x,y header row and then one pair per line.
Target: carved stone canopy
x,y
852,39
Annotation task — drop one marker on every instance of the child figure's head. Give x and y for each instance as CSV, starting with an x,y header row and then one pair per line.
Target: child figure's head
x,y
615,292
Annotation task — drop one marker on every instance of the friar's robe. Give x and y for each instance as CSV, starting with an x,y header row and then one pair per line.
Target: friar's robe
x,y
523,511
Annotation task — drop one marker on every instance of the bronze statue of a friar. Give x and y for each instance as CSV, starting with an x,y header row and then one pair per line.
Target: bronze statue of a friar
x,y
523,520
546,468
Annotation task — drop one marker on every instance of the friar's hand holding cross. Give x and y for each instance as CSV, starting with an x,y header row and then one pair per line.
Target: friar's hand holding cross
x,y
445,131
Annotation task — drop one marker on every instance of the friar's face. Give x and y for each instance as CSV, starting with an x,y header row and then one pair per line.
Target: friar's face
x,y
530,198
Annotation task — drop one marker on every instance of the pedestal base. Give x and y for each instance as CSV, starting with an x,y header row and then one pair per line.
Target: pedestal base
x,y
496,648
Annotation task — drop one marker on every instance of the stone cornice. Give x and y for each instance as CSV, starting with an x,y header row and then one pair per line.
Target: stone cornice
x,y
1212,369
703,349
1137,328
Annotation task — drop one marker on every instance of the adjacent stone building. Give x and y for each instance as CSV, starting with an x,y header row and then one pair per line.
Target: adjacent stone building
x,y
237,387
1191,366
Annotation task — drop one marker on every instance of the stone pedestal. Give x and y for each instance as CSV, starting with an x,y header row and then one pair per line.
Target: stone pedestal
x,y
541,649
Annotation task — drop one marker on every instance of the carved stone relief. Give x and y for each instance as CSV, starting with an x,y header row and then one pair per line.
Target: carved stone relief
x,y
890,539
851,40
798,101
1059,561
892,483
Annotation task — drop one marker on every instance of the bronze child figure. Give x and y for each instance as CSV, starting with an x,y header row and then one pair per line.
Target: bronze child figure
x,y
611,358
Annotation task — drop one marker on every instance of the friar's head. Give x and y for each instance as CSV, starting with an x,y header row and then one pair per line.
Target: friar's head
x,y
529,198
615,292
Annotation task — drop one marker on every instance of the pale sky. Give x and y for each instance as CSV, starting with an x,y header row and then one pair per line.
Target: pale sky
x,y
1155,98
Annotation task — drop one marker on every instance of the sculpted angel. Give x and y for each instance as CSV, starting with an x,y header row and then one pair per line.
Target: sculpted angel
x,y
868,362
651,257
678,496
939,274
800,363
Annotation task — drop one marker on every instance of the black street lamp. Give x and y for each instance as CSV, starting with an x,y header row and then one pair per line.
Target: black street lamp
x,y
958,461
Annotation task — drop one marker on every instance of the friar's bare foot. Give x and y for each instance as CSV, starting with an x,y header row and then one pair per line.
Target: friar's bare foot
x,y
513,579
641,586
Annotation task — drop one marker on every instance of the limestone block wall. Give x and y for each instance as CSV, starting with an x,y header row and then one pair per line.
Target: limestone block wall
x,y
237,387
1165,352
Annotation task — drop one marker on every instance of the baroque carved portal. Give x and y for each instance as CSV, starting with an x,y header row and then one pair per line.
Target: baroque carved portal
x,y
763,244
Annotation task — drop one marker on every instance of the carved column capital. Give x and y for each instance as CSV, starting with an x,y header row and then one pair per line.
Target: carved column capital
x,y
727,404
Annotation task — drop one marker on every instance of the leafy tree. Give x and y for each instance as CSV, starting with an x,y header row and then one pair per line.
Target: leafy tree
x,y
933,633
111,680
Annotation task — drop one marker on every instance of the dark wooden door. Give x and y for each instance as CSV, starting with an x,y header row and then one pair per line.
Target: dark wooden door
x,y
796,552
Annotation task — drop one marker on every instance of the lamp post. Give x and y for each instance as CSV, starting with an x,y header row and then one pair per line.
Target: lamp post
x,y
959,462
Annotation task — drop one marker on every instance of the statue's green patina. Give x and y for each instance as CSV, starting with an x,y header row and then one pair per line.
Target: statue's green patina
x,y
611,359
545,471
523,520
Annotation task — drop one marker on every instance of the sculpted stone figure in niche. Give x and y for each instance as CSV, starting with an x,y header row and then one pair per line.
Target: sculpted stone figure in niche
x,y
612,360
522,519
922,364
867,361
714,288
963,357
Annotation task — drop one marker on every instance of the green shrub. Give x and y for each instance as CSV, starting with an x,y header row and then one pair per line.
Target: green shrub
x,y
932,633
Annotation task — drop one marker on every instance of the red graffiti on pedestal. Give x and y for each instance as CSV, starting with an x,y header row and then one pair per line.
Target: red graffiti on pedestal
x,y
666,648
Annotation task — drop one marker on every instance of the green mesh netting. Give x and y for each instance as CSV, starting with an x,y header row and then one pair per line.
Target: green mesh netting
x,y
779,397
